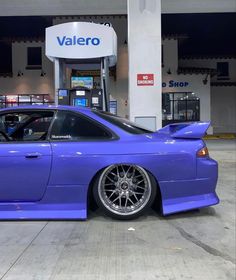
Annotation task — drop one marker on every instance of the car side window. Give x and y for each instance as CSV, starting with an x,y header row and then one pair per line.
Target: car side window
x,y
73,127
25,126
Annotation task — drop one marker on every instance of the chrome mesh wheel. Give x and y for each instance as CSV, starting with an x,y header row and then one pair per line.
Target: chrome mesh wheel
x,y
124,189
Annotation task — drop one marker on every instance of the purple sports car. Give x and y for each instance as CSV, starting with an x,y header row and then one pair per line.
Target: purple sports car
x,y
53,160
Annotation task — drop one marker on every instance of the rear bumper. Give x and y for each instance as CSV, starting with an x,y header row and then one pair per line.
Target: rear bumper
x,y
190,202
182,195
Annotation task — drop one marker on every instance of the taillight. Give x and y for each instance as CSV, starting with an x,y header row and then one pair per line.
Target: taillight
x,y
203,152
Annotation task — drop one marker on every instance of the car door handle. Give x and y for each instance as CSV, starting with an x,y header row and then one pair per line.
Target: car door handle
x,y
33,155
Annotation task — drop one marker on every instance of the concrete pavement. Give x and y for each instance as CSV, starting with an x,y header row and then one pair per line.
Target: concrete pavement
x,y
196,245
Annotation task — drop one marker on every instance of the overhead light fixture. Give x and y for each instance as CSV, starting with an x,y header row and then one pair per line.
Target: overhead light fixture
x,y
20,73
42,73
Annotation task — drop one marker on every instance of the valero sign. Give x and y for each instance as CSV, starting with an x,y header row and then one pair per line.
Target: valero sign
x,y
81,40
70,41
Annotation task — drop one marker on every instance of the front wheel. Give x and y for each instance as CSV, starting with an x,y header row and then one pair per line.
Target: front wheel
x,y
124,191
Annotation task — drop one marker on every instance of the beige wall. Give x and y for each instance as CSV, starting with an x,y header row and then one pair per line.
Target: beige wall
x,y
170,55
223,104
31,82
211,63
223,98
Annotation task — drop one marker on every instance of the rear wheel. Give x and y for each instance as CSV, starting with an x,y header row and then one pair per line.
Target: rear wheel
x,y
124,191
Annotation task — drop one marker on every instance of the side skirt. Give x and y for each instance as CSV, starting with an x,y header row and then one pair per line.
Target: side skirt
x,y
58,203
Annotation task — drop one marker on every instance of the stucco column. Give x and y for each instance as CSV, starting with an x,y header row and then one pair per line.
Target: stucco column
x,y
59,76
56,78
144,46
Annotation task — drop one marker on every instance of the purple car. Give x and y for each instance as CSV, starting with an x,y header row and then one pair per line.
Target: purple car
x,y
53,160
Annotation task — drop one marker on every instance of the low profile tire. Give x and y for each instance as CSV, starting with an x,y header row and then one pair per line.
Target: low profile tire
x,y
124,191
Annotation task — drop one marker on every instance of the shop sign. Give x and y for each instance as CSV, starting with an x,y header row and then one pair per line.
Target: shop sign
x,y
174,84
145,79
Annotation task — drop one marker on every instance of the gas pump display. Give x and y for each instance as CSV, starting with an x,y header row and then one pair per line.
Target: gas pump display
x,y
80,102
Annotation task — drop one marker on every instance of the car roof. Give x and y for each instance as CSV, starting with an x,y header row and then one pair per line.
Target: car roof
x,y
47,107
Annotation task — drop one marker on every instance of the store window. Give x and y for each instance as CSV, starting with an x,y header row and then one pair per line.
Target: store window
x,y
2,101
34,58
180,107
24,99
222,71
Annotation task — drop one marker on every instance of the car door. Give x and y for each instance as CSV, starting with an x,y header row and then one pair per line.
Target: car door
x,y
25,155
78,145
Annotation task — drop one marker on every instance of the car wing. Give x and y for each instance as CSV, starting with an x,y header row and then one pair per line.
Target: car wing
x,y
194,130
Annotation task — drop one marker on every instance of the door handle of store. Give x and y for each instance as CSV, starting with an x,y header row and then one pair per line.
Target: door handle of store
x,y
33,155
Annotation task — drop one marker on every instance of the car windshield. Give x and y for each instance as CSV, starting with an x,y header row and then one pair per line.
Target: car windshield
x,y
122,123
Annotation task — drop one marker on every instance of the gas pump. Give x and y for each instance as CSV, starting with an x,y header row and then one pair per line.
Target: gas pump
x,y
84,46
81,96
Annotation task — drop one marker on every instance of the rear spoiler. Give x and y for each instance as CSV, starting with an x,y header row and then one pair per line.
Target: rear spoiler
x,y
194,130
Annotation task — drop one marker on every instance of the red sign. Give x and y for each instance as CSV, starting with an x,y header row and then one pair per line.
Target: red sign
x,y
145,79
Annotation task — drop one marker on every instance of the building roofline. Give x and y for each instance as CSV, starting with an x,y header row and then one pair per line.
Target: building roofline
x,y
223,84
6,75
174,36
196,70
87,17
205,56
22,39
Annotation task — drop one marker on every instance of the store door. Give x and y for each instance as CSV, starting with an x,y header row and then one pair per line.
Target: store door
x,y
180,107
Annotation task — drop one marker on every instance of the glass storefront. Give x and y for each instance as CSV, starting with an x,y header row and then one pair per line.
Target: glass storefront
x,y
24,99
180,107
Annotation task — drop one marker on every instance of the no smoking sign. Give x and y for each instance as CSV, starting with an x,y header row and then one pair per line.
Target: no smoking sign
x,y
145,79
